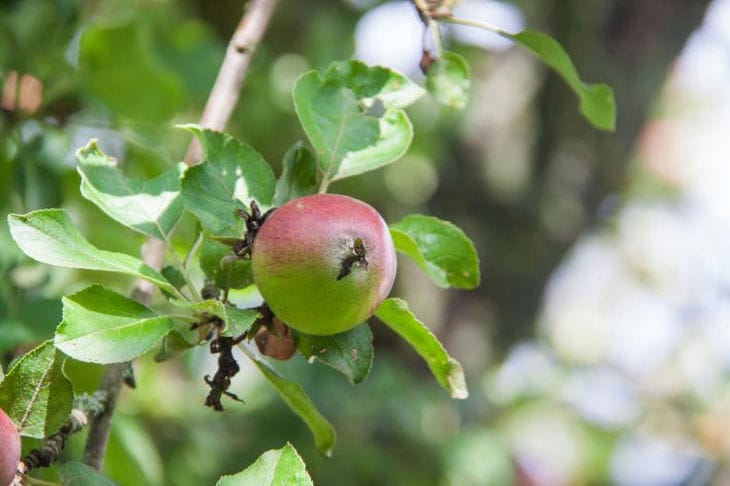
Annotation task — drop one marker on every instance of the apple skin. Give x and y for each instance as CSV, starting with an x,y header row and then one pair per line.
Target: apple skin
x,y
9,449
298,255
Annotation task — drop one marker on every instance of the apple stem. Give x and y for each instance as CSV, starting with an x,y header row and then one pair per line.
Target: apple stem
x,y
323,185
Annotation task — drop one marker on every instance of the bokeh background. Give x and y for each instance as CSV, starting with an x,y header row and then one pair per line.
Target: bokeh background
x,y
597,347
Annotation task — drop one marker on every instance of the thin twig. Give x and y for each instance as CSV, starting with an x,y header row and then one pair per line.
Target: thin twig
x,y
98,437
221,102
226,90
422,9
86,407
435,27
430,25
478,24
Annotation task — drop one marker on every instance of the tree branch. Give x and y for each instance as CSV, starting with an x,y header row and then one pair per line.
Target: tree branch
x,y
86,407
221,102
225,93
153,252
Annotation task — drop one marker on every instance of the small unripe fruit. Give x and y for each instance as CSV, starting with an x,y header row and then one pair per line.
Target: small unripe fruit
x,y
9,449
323,263
276,342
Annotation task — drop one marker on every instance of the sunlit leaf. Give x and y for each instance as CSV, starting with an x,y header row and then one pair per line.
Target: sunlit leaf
x,y
441,249
370,83
36,394
597,101
350,353
102,326
448,80
279,467
49,236
447,371
352,116
151,207
229,177
295,397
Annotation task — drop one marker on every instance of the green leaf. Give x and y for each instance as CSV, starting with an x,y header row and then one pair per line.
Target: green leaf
x,y
118,65
49,236
229,177
298,176
132,453
173,345
441,249
223,267
237,320
447,371
79,474
350,353
36,394
352,116
295,397
370,83
448,80
597,103
151,207
175,277
102,326
278,467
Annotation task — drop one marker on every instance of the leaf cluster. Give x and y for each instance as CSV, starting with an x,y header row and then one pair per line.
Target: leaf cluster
x,y
354,118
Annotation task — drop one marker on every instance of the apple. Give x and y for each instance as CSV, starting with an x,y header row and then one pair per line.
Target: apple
x,y
323,263
9,449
